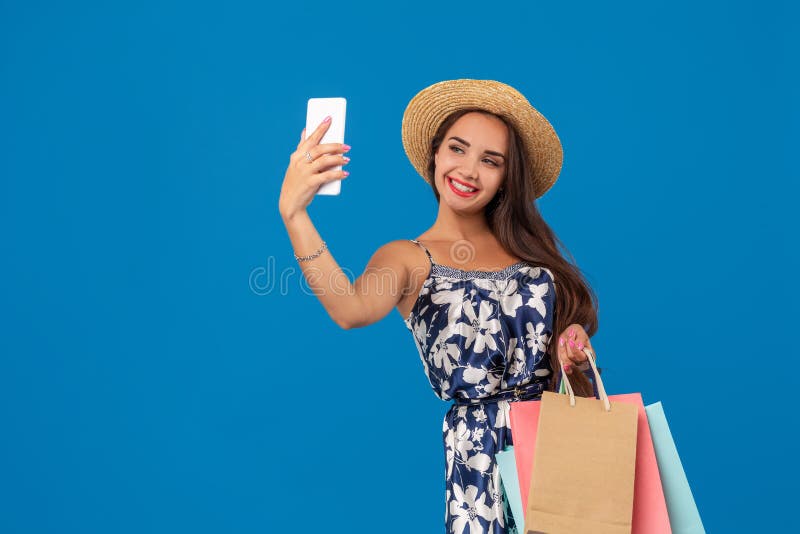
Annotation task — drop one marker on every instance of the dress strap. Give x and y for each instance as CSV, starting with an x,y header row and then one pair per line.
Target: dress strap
x,y
425,249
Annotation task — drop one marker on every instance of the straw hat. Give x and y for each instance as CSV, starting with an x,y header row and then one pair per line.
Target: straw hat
x,y
428,109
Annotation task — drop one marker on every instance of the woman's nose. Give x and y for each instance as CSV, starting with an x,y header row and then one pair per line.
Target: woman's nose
x,y
470,168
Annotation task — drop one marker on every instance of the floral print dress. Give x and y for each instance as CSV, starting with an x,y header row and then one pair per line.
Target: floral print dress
x,y
482,337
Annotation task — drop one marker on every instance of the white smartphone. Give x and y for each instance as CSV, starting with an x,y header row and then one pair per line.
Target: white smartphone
x,y
318,109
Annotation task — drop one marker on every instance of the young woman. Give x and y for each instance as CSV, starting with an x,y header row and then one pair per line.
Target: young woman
x,y
482,291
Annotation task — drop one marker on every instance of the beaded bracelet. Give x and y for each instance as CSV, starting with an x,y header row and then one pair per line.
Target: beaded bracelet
x,y
312,256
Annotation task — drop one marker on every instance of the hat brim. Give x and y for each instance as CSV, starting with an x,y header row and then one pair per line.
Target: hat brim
x,y
431,106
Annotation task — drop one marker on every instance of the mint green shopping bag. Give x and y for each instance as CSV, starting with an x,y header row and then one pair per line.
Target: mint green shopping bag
x,y
683,515
507,464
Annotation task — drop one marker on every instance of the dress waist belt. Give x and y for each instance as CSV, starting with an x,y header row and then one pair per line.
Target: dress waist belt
x,y
530,391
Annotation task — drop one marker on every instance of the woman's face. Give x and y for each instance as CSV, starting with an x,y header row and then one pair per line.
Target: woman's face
x,y
473,153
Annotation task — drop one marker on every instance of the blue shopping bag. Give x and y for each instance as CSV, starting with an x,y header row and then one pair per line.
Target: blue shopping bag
x,y
683,515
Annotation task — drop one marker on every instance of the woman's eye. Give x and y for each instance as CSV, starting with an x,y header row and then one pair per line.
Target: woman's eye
x,y
458,150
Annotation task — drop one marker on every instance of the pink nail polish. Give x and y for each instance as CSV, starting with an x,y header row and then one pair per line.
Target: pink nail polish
x,y
327,119
571,343
580,346
346,147
571,332
561,342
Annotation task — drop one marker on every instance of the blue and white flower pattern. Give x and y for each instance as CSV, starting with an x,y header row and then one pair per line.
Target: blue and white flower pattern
x,y
480,333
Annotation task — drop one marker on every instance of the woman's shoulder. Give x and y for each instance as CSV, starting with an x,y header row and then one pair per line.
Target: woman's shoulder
x,y
399,247
398,253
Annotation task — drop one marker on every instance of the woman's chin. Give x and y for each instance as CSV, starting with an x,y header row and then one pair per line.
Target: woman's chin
x,y
461,205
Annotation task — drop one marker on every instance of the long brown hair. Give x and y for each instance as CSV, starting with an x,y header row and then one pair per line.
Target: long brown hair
x,y
514,219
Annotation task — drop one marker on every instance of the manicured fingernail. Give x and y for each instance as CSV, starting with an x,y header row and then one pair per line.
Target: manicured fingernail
x,y
566,368
580,346
561,342
327,119
346,173
571,343
571,332
345,158
346,147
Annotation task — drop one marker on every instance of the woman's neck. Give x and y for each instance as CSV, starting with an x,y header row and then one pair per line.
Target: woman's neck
x,y
451,226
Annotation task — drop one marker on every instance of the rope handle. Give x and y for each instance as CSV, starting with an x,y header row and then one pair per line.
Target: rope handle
x,y
601,390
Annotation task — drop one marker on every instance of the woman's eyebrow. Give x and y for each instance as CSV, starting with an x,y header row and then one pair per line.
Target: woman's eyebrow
x,y
492,152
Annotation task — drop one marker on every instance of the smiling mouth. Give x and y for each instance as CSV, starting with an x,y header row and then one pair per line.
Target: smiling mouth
x,y
460,187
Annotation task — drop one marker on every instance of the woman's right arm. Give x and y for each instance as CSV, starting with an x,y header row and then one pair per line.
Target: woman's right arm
x,y
373,294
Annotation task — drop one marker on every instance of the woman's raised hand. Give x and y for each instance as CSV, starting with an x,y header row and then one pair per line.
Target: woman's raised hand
x,y
571,343
304,176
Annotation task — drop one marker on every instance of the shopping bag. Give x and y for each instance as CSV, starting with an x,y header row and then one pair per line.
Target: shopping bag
x,y
524,416
649,505
508,474
584,464
683,514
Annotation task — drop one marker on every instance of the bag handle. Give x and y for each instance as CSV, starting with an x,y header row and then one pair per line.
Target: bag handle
x,y
599,381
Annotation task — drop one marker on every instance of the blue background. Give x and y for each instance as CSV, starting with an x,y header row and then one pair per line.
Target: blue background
x,y
152,381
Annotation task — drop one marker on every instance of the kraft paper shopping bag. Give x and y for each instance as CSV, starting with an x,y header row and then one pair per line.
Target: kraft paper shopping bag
x,y
683,514
584,464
